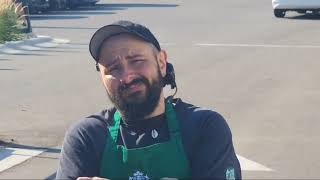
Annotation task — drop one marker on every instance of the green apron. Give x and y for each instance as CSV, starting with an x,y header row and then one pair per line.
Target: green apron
x,y
156,161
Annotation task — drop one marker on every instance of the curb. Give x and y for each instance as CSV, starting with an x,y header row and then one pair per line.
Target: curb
x,y
35,43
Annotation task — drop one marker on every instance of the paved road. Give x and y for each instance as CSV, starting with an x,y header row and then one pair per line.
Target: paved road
x,y
260,72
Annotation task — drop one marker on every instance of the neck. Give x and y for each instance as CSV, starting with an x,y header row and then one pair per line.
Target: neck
x,y
159,109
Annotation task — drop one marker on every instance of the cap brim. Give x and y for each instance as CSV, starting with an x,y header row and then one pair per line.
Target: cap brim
x,y
101,34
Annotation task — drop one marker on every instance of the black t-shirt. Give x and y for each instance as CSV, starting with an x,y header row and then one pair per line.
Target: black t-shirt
x,y
205,135
145,132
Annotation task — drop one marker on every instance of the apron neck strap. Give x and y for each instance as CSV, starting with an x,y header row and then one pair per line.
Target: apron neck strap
x,y
115,127
170,116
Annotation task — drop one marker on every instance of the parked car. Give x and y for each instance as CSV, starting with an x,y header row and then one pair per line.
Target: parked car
x,y
301,6
70,4
75,3
58,4
88,2
36,6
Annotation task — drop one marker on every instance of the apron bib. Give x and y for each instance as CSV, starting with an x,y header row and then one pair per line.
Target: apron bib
x,y
166,159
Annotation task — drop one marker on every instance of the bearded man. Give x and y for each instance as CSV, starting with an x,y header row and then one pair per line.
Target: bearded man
x,y
145,135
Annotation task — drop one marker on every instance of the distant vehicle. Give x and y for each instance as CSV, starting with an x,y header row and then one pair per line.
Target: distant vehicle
x,y
36,6
89,2
58,4
75,3
301,6
71,4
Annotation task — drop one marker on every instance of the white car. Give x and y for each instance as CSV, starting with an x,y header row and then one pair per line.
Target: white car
x,y
301,6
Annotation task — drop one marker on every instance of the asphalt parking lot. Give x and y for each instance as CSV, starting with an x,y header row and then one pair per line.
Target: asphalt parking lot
x,y
260,72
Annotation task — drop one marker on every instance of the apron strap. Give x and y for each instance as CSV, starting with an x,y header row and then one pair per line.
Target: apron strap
x,y
170,116
115,128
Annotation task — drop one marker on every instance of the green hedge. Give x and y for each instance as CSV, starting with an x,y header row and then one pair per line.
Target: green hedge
x,y
9,30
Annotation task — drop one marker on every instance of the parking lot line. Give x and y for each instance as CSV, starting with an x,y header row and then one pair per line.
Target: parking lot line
x,y
10,157
249,165
258,45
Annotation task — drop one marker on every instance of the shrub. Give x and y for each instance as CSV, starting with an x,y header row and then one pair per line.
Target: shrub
x,y
9,29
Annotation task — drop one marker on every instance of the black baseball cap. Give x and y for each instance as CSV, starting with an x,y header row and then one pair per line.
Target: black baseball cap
x,y
117,28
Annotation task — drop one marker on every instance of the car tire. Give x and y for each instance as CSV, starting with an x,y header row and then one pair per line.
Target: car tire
x,y
302,11
279,13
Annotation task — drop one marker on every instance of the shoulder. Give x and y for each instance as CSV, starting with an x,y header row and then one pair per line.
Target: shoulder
x,y
90,124
208,142
83,146
198,124
198,117
90,133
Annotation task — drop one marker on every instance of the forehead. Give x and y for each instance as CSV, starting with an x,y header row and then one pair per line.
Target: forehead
x,y
124,44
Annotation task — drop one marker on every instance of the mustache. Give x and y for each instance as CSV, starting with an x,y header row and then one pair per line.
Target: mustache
x,y
124,86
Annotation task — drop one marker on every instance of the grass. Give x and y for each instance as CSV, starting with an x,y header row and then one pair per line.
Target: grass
x,y
10,16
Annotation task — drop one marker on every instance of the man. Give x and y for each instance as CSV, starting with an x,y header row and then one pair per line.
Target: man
x,y
145,136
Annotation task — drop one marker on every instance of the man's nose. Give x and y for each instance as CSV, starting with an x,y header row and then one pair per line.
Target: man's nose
x,y
127,79
127,75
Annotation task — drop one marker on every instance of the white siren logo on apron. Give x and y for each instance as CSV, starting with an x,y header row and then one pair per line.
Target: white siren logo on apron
x,y
230,175
154,133
139,176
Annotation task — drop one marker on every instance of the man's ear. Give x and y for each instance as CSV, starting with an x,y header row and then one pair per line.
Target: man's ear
x,y
162,62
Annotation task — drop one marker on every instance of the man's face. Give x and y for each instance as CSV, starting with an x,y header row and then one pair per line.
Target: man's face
x,y
132,71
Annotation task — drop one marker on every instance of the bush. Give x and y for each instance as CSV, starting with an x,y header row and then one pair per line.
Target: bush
x,y
9,29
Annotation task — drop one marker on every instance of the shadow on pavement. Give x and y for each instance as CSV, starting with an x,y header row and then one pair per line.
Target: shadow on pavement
x,y
308,16
25,53
54,17
5,59
124,6
135,5
76,13
52,176
14,145
8,69
5,153
103,9
51,27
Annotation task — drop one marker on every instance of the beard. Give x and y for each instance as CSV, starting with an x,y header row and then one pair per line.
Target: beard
x,y
139,104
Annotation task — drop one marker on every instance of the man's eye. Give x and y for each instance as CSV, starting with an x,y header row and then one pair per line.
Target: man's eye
x,y
138,61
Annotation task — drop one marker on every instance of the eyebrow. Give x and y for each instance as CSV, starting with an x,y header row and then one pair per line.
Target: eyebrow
x,y
134,56
114,61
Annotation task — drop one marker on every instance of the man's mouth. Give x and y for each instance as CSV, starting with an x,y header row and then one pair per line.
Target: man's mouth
x,y
133,89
